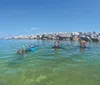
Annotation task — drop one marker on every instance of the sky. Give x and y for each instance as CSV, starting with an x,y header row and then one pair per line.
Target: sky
x,y
45,16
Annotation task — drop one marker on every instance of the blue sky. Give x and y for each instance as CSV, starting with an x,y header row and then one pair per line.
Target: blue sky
x,y
43,16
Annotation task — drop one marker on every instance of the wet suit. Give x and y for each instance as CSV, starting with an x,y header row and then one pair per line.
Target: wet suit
x,y
57,47
30,49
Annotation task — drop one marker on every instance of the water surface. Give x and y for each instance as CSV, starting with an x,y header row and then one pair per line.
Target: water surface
x,y
46,66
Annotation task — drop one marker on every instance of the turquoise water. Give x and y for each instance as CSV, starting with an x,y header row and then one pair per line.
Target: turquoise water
x,y
71,66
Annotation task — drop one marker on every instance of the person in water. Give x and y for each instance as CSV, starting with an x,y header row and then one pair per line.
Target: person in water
x,y
23,51
82,43
56,45
31,48
20,52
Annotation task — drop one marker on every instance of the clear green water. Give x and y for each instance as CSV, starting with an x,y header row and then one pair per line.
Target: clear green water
x,y
71,66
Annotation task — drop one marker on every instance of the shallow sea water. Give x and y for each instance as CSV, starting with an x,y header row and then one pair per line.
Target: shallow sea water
x,y
46,66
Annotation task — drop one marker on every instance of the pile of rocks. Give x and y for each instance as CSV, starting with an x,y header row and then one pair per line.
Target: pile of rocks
x,y
61,36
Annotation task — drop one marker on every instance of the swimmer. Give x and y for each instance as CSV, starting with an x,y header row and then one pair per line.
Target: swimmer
x,y
23,50
31,48
82,43
56,45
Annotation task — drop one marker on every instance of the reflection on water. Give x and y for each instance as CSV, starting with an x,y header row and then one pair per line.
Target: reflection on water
x,y
69,66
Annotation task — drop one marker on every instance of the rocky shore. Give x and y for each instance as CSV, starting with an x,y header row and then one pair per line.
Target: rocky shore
x,y
95,37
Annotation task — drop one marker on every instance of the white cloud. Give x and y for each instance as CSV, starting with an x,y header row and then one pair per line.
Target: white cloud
x,y
32,29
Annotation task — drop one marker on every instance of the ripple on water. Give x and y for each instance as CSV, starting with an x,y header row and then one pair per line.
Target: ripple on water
x,y
68,66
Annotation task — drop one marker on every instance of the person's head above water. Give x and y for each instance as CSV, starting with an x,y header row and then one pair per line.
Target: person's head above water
x,y
56,44
82,40
20,52
31,45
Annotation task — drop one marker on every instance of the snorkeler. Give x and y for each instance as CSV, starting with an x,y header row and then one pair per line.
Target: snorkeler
x,y
23,50
20,52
